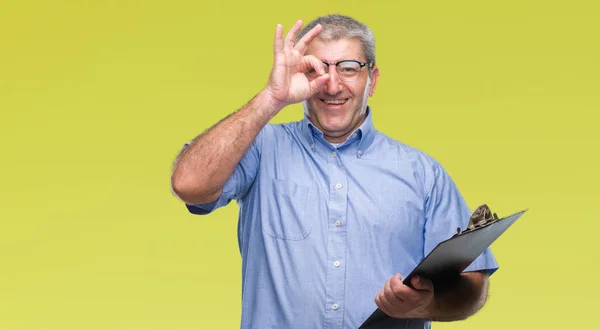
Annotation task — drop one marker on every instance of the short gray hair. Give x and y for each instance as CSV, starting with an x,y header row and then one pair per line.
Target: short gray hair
x,y
337,27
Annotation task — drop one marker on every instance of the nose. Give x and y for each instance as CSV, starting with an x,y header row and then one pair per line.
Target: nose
x,y
333,85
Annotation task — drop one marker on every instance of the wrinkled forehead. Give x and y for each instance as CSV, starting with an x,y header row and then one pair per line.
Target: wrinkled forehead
x,y
336,49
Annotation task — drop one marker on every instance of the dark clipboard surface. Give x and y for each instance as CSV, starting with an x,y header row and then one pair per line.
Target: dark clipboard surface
x,y
450,257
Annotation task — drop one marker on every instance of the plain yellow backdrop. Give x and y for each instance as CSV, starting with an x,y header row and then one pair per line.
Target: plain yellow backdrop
x,y
97,97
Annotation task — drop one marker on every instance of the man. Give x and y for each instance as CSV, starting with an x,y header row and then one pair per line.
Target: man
x,y
332,212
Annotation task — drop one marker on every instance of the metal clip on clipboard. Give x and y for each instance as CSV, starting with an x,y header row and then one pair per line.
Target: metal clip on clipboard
x,y
481,217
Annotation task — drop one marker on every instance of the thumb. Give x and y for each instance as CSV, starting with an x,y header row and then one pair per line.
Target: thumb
x,y
421,283
318,83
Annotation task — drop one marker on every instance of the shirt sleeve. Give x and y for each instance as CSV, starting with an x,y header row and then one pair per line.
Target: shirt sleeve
x,y
446,210
238,183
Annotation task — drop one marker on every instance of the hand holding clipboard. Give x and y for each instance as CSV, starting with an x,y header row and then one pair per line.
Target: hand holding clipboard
x,y
450,257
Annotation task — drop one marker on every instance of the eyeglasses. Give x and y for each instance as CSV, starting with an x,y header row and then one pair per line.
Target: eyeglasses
x,y
348,70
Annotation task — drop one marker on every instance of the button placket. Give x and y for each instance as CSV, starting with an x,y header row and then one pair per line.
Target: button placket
x,y
336,239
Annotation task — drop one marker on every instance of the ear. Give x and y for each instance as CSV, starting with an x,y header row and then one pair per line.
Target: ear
x,y
374,78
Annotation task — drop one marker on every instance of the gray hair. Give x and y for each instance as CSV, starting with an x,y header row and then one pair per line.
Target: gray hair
x,y
337,27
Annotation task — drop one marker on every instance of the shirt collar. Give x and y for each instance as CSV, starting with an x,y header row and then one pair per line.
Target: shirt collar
x,y
365,133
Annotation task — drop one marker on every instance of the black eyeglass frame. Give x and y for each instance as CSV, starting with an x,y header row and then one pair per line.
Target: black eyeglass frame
x,y
362,64
369,65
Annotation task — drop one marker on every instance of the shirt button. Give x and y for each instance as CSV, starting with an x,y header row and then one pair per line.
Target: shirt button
x,y
338,186
336,263
338,223
359,152
333,154
335,306
355,135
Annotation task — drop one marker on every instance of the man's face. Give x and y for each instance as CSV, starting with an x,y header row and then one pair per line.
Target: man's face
x,y
339,107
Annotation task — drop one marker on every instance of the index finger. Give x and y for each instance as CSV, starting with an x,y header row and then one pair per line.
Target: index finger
x,y
302,44
397,287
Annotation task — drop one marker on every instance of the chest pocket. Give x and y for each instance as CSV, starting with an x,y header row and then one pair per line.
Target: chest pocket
x,y
289,217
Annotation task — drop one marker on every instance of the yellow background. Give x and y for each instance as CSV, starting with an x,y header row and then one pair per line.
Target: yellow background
x,y
97,97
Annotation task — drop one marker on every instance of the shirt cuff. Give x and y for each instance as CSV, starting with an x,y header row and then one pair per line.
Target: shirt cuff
x,y
225,197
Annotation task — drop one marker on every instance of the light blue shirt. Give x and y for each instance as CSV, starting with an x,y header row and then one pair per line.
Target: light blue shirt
x,y
321,228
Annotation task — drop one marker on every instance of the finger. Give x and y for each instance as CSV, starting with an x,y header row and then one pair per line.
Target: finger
x,y
278,42
421,283
390,296
317,84
312,61
292,33
380,302
302,44
397,287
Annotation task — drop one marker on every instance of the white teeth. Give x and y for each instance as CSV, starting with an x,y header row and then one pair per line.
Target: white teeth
x,y
334,101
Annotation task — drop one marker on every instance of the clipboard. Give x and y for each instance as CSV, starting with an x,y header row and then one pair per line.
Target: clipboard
x,y
452,256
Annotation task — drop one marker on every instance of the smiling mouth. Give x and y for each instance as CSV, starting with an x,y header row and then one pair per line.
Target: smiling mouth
x,y
334,101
